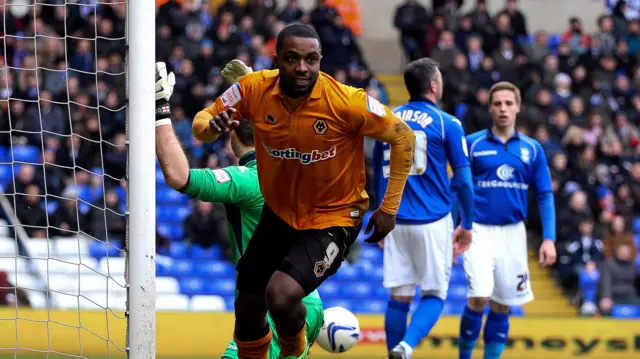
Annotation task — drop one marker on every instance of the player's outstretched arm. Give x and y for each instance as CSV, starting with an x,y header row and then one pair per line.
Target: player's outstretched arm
x,y
173,161
221,116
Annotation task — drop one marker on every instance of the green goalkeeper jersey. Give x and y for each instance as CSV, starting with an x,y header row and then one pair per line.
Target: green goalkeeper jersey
x,y
238,189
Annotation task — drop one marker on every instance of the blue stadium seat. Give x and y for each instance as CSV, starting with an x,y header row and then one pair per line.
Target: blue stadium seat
x,y
28,154
99,250
453,307
159,176
347,272
356,289
457,292
5,155
381,292
221,286
364,265
172,231
162,269
329,289
214,268
6,172
192,286
172,213
370,306
344,303
213,252
229,302
181,267
636,225
178,250
371,252
170,196
625,311
376,274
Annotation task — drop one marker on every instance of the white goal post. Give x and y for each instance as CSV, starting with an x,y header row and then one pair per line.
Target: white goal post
x,y
69,290
141,236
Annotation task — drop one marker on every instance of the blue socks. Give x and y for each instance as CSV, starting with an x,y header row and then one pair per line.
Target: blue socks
x,y
395,322
470,326
423,319
496,331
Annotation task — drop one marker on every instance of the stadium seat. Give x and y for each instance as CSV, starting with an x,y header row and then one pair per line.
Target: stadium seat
x,y
72,246
28,281
178,249
172,213
38,300
192,286
210,268
230,302
5,155
554,41
213,252
64,283
221,286
168,285
8,247
381,292
345,303
100,250
636,225
12,265
112,266
347,272
159,176
457,292
370,306
64,301
371,252
329,289
204,303
163,265
172,302
356,290
181,267
170,196
28,154
453,307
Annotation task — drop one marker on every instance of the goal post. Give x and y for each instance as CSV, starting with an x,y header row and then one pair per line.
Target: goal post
x,y
141,236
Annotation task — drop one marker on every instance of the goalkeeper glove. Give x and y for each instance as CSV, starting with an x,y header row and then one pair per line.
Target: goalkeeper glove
x,y
234,70
164,89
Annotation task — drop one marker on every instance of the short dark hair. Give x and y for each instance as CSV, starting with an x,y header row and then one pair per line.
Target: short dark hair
x,y
296,30
244,132
418,76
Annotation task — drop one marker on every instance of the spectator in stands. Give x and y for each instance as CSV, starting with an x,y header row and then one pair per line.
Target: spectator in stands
x,y
202,227
617,279
29,212
518,21
65,218
411,20
583,249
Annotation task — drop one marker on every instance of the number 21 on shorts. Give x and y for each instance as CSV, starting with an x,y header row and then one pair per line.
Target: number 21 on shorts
x,y
523,279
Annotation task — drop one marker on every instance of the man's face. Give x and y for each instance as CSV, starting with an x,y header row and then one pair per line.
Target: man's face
x,y
299,65
504,108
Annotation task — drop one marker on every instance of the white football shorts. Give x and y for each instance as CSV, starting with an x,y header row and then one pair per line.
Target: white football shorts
x,y
419,254
496,264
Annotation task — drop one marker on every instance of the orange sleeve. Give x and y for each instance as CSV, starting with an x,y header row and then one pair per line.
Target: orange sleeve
x,y
234,97
373,119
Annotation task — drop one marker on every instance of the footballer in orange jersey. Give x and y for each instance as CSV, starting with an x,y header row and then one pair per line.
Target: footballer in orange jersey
x,y
309,133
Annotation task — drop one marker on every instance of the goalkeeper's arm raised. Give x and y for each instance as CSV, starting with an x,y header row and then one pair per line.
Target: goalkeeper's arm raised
x,y
173,161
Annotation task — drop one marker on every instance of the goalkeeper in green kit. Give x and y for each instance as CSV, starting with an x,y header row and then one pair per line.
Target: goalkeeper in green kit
x,y
235,186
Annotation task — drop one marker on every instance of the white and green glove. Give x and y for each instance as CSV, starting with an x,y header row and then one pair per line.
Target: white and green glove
x,y
164,89
234,70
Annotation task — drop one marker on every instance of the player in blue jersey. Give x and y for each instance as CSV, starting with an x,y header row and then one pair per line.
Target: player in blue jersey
x,y
419,251
505,165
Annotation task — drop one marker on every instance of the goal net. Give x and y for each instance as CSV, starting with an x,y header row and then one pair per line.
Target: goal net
x,y
65,281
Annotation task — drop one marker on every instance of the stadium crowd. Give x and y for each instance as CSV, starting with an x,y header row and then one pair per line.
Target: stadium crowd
x,y
580,92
